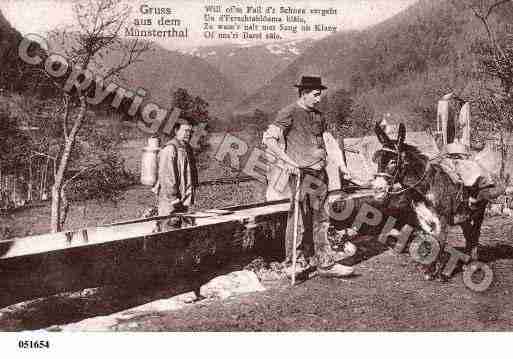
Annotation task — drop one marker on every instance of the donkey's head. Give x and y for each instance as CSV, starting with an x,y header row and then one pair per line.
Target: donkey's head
x,y
390,158
402,164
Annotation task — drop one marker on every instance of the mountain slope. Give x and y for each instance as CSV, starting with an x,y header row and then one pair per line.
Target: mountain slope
x,y
9,40
401,64
251,67
162,71
15,74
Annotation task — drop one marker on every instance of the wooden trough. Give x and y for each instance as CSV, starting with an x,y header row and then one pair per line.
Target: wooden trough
x,y
136,253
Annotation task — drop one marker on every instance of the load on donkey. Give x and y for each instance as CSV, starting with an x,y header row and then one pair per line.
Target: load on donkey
x,y
449,189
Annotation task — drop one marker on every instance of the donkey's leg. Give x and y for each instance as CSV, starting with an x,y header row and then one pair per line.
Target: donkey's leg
x,y
442,256
430,271
467,228
475,231
434,269
432,223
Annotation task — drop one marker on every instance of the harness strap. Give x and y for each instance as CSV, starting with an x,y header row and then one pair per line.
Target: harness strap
x,y
415,184
383,174
386,149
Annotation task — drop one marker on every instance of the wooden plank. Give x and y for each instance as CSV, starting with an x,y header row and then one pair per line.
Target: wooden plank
x,y
230,208
131,252
51,242
121,231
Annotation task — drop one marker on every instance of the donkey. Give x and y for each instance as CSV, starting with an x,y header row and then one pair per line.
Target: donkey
x,y
406,175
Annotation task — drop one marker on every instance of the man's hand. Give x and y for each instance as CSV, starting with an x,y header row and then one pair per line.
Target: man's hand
x,y
293,169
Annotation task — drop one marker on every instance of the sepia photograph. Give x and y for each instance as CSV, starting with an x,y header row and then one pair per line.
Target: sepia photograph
x,y
243,166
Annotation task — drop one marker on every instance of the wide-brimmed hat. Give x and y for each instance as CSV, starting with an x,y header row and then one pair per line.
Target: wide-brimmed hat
x,y
311,83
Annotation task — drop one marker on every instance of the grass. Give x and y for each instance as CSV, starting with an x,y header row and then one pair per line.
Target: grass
x,y
130,205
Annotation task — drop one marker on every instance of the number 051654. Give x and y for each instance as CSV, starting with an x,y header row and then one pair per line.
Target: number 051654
x,y
34,344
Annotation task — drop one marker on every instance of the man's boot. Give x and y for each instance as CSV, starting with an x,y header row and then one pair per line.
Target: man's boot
x,y
335,271
348,251
301,266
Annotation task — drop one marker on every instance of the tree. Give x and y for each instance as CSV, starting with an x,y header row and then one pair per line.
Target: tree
x,y
362,116
14,143
193,108
496,59
95,36
347,116
498,52
339,109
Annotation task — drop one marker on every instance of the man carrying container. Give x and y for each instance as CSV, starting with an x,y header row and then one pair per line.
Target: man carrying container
x,y
177,174
296,139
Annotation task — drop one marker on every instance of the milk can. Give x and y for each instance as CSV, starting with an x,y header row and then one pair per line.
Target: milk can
x,y
149,162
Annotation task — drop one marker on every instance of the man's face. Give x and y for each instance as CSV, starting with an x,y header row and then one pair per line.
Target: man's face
x,y
184,133
312,98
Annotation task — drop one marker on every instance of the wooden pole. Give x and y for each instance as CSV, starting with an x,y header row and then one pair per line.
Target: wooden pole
x,y
44,193
464,124
41,180
29,194
296,220
1,188
14,188
443,118
3,203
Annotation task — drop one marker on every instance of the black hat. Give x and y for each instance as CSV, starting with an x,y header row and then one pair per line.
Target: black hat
x,y
311,82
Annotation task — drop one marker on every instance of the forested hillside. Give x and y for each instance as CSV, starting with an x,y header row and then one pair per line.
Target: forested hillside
x,y
401,66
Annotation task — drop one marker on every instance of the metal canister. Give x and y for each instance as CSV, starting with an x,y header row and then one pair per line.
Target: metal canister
x,y
149,162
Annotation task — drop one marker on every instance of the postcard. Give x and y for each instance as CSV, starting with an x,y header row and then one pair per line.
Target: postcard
x,y
248,166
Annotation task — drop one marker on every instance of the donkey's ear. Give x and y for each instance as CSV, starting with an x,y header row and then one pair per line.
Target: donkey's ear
x,y
401,136
382,136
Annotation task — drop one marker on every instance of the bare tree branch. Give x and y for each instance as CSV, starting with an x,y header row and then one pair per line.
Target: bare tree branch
x,y
491,36
65,118
133,52
503,62
495,5
76,175
99,23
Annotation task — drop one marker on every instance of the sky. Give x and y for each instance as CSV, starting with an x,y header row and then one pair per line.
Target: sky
x,y
40,16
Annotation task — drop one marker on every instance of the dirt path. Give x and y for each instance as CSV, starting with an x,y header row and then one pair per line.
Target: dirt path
x,y
388,294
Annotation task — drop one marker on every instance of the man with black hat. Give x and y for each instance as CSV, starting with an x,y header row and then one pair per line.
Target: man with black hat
x,y
296,139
